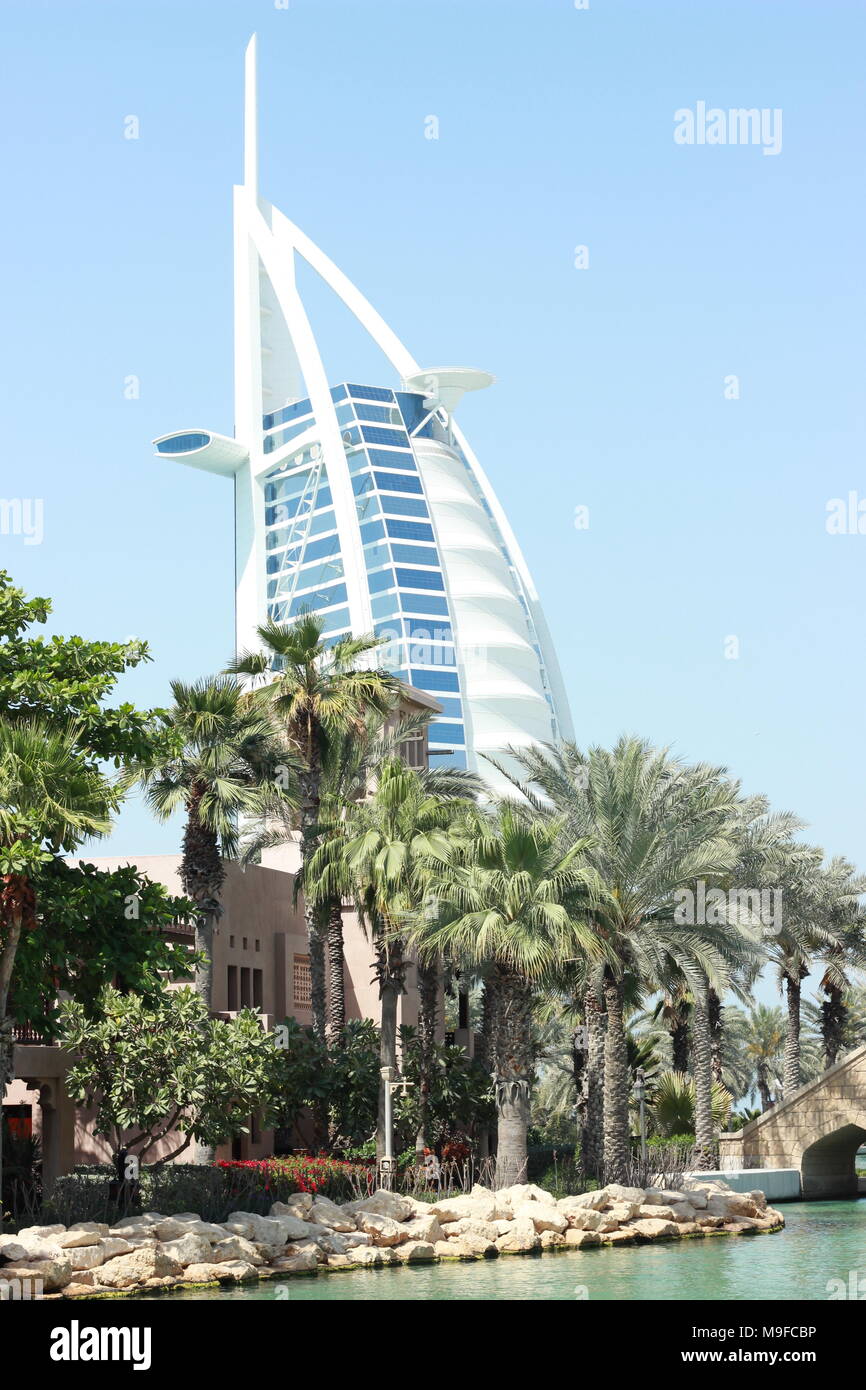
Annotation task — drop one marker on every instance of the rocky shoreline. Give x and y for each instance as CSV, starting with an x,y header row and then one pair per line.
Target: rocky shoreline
x,y
309,1235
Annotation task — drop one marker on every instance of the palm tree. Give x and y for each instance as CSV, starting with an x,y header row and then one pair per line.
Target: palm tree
x,y
513,895
377,855
653,827
221,767
763,1046
318,691
51,799
842,891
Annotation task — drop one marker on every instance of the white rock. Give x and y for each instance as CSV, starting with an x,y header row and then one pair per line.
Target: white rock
x,y
189,1250
415,1251
126,1270
82,1233
542,1216
326,1213
651,1228
425,1227
298,1205
235,1248
382,1229
384,1203
85,1256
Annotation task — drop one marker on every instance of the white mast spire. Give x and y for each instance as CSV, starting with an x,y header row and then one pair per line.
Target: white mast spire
x,y
251,122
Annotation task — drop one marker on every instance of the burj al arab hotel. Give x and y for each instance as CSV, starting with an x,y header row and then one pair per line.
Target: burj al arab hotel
x,y
365,503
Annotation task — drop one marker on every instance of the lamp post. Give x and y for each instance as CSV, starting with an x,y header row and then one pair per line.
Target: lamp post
x,y
640,1097
392,1082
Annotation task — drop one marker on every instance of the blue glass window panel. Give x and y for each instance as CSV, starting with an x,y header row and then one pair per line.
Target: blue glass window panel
x,y
411,408
345,414
424,603
384,579
391,630
361,483
423,652
323,498
277,611
372,531
393,458
378,434
451,707
446,733
367,506
314,576
338,393
292,485
420,579
410,530
415,554
313,550
384,606
357,459
287,412
337,619
322,521
321,598
378,414
376,554
405,506
370,393
398,482
182,443
351,436
422,630
436,680
276,441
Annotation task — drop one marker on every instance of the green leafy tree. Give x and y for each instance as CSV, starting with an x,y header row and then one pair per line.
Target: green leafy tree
x,y
515,896
94,927
158,1068
318,691
221,765
382,857
50,799
652,825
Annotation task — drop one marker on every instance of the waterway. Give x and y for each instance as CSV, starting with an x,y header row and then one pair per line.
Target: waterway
x,y
821,1242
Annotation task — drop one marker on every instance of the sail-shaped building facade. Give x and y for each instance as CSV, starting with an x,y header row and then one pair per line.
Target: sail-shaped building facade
x,y
365,503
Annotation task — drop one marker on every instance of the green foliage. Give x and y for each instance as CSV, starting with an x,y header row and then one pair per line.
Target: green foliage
x,y
152,1067
94,927
63,680
353,1074
672,1104
460,1094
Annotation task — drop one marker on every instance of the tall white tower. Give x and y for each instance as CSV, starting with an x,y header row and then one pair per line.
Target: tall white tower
x,y
366,504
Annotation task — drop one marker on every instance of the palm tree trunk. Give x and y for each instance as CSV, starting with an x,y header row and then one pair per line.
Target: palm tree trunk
x,y
391,972
309,816
679,1031
17,900
592,1131
716,1022
616,1083
764,1087
428,999
513,1066
202,874
484,1054
834,1012
336,1018
792,1036
703,1077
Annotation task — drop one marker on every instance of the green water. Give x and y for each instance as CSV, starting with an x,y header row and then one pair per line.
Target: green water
x,y
821,1241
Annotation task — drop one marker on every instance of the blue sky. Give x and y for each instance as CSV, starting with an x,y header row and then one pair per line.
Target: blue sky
x,y
707,514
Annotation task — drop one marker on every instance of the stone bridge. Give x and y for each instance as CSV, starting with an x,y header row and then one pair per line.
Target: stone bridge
x,y
818,1130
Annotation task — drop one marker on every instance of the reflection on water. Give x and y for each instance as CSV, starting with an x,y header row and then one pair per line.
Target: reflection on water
x,y
821,1241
